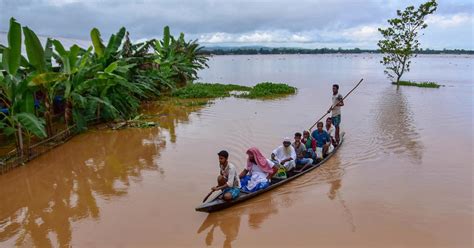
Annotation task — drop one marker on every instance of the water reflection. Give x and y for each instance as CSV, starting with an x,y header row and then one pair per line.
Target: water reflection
x,y
40,201
228,221
395,125
333,172
169,113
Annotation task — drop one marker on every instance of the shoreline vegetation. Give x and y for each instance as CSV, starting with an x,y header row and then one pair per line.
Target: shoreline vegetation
x,y
262,90
52,92
295,50
419,84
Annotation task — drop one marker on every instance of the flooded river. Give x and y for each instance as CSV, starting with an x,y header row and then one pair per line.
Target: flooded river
x,y
403,177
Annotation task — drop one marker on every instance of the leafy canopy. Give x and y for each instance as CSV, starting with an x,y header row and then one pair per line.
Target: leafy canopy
x,y
400,39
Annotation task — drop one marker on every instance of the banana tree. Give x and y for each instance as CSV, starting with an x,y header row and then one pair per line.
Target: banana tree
x,y
43,75
117,82
76,67
106,55
16,97
178,59
86,84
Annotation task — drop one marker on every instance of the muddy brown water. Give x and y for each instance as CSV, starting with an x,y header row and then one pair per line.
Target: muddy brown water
x,y
403,177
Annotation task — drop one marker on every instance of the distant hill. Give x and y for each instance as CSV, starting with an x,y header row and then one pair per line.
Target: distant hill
x,y
229,50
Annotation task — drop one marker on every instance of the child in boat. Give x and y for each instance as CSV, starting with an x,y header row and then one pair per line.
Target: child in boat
x,y
228,180
258,173
300,150
331,130
310,144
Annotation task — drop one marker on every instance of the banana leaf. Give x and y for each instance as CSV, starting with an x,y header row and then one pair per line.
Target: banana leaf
x,y
114,42
48,54
12,55
46,78
97,42
31,123
34,50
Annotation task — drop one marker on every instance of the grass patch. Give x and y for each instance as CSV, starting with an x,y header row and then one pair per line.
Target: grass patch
x,y
207,90
210,90
192,103
268,89
422,84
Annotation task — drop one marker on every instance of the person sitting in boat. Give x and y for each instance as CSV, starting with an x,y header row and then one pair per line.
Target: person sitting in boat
x,y
300,150
331,130
310,145
258,173
322,141
228,180
285,155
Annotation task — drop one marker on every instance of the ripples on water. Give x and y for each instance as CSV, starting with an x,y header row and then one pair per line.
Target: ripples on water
x,y
394,123
160,174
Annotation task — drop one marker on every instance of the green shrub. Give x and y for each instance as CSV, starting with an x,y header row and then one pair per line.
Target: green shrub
x,y
268,89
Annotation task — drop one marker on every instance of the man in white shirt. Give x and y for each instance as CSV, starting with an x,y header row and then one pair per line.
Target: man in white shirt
x,y
228,180
285,155
337,103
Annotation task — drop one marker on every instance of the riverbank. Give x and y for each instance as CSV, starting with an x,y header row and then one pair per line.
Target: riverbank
x,y
73,88
197,94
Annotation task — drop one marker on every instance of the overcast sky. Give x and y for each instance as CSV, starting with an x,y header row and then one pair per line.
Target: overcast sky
x,y
295,23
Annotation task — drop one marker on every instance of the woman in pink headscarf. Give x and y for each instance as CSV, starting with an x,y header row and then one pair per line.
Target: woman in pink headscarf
x,y
258,173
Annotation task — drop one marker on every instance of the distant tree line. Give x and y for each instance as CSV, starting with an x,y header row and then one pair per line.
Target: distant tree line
x,y
285,50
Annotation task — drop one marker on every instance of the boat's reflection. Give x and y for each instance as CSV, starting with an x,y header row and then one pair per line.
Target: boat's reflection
x,y
335,173
228,221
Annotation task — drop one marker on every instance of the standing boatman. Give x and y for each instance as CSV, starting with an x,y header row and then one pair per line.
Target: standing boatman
x,y
337,103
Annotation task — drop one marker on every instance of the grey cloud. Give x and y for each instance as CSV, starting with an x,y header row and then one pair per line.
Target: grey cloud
x,y
146,18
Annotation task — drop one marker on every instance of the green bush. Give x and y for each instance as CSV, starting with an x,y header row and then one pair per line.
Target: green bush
x,y
268,89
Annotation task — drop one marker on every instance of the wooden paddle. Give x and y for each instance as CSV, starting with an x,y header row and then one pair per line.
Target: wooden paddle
x,y
207,196
336,104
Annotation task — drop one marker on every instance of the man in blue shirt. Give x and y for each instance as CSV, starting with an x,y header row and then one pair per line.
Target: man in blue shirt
x,y
323,140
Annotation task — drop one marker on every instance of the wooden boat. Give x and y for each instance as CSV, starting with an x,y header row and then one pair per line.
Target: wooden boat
x,y
217,203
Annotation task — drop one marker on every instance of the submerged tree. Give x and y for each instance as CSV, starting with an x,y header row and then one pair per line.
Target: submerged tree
x,y
400,39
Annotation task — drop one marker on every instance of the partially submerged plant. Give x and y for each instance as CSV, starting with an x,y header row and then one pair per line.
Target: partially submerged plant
x,y
269,89
421,84
216,90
